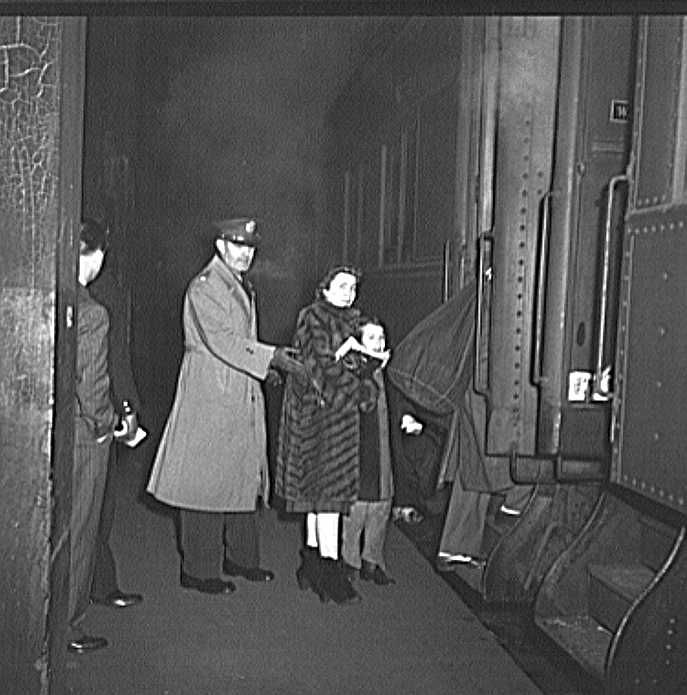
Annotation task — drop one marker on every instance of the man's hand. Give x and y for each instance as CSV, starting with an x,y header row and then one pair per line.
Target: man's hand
x,y
284,359
127,428
273,377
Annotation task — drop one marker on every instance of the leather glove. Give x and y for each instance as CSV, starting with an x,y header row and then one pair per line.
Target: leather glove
x,y
284,359
273,377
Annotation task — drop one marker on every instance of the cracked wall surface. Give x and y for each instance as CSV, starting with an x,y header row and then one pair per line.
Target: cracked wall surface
x,y
29,173
29,115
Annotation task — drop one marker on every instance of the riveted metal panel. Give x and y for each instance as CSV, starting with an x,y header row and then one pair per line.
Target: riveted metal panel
x,y
526,112
597,64
649,437
658,71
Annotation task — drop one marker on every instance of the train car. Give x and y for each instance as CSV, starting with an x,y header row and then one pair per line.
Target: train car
x,y
544,156
542,159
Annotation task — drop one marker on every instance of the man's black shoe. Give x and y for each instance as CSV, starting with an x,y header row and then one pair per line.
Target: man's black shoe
x,y
252,574
117,599
207,586
86,643
374,573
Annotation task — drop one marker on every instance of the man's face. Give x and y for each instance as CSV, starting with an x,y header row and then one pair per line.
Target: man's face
x,y
237,256
342,290
372,337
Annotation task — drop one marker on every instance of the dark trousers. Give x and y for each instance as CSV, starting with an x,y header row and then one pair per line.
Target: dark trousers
x,y
208,538
415,459
105,572
88,483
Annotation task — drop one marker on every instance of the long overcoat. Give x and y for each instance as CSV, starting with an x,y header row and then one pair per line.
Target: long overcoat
x,y
213,452
319,437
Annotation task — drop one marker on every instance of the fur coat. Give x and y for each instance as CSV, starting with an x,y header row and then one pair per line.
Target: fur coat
x,y
317,466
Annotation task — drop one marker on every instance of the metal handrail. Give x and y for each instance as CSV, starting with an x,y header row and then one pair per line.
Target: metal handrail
x,y
541,287
479,386
603,299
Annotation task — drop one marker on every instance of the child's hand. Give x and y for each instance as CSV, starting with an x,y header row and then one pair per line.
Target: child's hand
x,y
349,344
385,357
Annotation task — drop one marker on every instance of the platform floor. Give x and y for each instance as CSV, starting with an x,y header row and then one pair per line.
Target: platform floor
x,y
415,637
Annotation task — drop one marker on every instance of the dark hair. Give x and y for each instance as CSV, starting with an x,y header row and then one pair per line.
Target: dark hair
x,y
326,281
367,320
94,235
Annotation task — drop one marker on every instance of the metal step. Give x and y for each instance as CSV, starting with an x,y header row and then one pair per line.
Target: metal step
x,y
582,638
496,526
613,589
656,541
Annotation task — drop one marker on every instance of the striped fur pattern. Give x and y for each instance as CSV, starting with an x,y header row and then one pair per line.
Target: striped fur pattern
x,y
318,463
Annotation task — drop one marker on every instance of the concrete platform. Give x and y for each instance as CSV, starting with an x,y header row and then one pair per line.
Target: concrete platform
x,y
415,637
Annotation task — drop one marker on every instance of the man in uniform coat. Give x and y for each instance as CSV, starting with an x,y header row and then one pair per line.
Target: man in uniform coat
x,y
212,457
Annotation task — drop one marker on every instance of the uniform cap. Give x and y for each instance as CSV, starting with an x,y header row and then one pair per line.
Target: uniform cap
x,y
239,230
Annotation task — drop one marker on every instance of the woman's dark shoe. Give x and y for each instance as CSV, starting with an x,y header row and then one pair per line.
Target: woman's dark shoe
x,y
252,574
207,586
335,583
374,573
308,574
350,571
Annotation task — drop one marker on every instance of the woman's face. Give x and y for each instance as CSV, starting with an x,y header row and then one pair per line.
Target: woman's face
x,y
342,290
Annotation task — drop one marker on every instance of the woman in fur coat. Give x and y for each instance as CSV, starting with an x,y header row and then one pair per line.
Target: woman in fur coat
x,y
317,467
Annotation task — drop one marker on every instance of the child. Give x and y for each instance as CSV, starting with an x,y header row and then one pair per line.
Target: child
x,y
369,515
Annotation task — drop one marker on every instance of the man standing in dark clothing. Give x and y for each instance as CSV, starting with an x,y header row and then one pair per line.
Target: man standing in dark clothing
x,y
418,438
95,425
108,291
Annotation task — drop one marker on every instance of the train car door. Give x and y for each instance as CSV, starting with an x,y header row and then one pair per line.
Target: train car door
x,y
579,245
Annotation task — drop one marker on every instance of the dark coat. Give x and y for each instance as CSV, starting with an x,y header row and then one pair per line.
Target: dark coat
x,y
378,423
108,291
317,465
213,452
95,420
433,367
94,413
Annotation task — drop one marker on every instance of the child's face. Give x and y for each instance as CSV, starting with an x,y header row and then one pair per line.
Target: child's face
x,y
372,337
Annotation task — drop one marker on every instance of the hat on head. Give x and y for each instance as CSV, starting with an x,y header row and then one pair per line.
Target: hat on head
x,y
239,230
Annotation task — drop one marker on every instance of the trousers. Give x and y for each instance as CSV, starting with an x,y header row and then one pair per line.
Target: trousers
x,y
366,520
88,485
105,570
467,514
209,538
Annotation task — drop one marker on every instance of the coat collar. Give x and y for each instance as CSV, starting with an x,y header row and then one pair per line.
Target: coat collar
x,y
231,280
